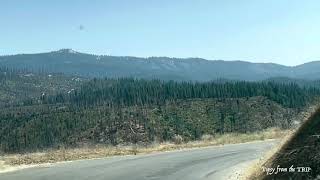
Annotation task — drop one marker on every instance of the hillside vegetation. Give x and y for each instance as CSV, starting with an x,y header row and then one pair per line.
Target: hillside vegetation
x,y
21,87
128,111
301,150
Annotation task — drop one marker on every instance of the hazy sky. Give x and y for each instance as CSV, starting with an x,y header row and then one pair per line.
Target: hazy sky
x,y
280,31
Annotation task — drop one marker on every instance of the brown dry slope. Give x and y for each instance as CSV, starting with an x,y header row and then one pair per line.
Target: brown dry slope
x,y
302,150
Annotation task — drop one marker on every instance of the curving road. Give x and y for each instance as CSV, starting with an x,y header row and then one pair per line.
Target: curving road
x,y
195,164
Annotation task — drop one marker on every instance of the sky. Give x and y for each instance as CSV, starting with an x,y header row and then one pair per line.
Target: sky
x,y
280,31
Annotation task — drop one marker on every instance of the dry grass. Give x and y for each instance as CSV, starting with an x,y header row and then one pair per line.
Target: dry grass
x,y
52,156
2,165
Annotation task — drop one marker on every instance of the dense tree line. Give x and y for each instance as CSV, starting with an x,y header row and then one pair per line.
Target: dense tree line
x,y
149,92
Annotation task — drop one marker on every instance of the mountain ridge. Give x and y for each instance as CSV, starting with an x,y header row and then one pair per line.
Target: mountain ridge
x,y
167,68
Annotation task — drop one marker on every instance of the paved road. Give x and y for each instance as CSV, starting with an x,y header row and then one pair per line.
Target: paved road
x,y
195,164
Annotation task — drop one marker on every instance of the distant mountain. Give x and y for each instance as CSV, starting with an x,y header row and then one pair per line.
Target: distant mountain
x,y
71,62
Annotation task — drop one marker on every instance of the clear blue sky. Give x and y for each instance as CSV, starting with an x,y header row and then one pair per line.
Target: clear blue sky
x,y
279,31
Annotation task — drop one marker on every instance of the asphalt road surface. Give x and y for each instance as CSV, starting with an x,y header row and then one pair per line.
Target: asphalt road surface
x,y
214,163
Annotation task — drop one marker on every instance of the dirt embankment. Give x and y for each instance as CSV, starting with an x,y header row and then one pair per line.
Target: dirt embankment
x,y
299,157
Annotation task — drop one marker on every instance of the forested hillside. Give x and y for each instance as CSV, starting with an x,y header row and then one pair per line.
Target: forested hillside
x,y
70,62
21,86
150,92
299,82
125,111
